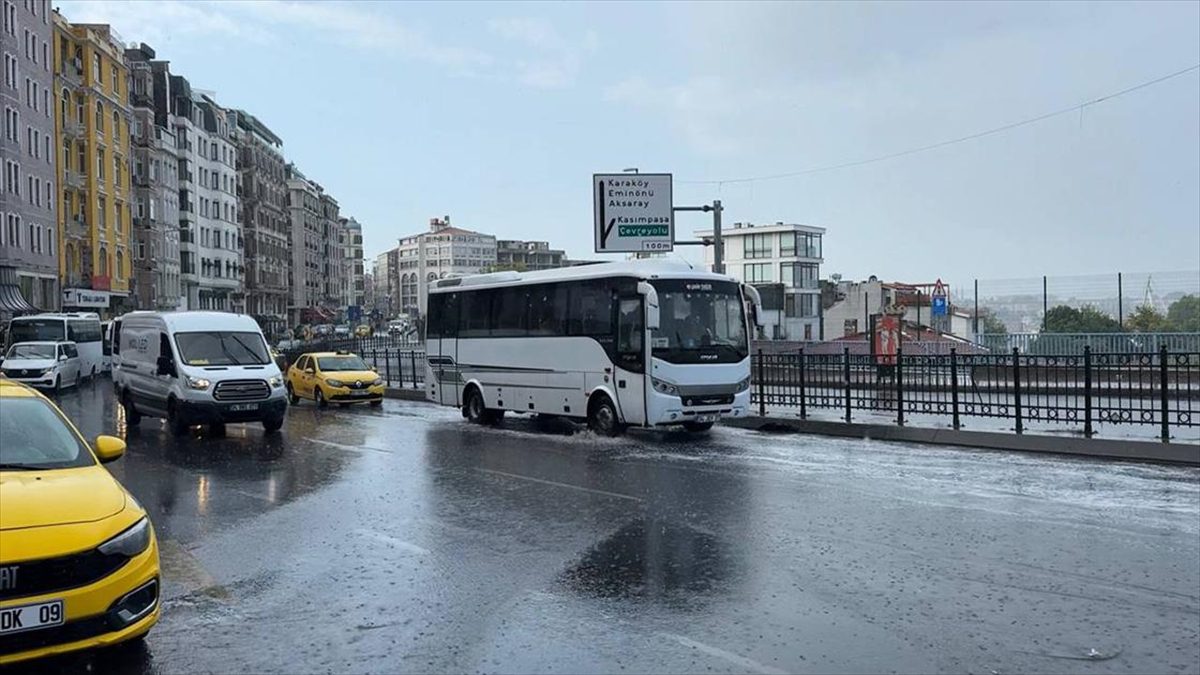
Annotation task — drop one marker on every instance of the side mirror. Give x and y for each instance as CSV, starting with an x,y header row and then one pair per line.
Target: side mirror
x,y
755,299
166,366
310,371
647,291
62,358
109,448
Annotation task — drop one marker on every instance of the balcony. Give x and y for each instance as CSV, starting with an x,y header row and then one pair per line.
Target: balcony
x,y
72,128
75,180
72,72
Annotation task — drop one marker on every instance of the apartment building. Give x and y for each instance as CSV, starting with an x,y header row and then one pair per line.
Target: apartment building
x,y
155,240
352,264
783,259
527,256
441,252
386,281
262,179
93,125
29,237
210,240
331,253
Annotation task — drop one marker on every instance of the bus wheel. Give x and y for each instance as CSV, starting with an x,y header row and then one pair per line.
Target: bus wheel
x,y
697,427
602,417
473,407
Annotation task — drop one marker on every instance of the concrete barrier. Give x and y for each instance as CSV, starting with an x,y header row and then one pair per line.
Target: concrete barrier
x,y
1142,451
405,394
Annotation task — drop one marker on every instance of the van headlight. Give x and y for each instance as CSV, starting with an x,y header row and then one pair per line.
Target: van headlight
x,y
743,385
276,382
664,387
130,542
198,383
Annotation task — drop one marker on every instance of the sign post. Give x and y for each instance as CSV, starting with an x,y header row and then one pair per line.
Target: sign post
x,y
939,301
633,212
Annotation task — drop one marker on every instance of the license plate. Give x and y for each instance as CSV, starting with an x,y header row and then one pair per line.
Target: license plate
x,y
706,418
243,407
361,394
31,617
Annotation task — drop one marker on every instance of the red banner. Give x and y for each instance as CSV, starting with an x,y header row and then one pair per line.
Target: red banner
x,y
101,283
887,338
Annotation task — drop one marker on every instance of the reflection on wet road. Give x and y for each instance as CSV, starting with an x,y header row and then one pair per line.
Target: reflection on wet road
x,y
401,539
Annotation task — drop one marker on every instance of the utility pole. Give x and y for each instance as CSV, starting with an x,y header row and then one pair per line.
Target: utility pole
x,y
718,243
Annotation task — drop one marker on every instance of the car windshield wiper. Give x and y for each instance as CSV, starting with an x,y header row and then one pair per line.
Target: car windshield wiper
x,y
25,467
244,346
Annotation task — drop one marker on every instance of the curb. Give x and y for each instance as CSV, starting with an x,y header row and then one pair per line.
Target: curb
x,y
405,394
1141,451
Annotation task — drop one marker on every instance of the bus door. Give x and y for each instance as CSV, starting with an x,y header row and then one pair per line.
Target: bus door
x,y
446,371
630,376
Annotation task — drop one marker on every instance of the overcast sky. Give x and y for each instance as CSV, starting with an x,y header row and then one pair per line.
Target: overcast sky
x,y
497,114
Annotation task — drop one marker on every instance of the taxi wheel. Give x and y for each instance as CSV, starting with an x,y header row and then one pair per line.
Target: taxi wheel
x,y
320,397
377,403
292,397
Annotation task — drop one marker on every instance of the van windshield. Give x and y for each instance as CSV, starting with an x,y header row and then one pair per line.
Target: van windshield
x,y
31,351
222,348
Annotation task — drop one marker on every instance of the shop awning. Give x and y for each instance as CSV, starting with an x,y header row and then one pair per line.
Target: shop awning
x,y
11,300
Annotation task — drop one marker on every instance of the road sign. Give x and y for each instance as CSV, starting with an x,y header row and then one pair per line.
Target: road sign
x,y
940,302
633,212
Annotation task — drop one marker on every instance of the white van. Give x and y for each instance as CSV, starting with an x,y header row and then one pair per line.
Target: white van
x,y
196,368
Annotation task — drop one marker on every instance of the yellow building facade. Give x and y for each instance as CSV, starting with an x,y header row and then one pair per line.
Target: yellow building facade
x,y
92,125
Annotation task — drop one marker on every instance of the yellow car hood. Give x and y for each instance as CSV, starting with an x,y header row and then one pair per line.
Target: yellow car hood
x,y
58,497
351,376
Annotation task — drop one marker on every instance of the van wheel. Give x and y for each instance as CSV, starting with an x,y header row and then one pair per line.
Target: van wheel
x,y
292,397
697,427
93,377
132,416
602,417
175,421
320,398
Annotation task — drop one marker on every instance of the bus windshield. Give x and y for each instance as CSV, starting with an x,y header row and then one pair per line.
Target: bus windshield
x,y
37,330
700,322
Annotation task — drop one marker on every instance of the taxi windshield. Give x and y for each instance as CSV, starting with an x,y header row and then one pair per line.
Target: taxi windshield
x,y
36,437
335,364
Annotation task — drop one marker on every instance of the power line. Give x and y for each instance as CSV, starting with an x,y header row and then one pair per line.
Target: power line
x,y
1079,107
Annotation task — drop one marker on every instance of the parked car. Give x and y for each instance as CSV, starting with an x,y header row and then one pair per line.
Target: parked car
x,y
342,331
334,377
197,368
79,564
50,364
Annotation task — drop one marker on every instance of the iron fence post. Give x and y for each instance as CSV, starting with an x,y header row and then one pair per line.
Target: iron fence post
x,y
1162,393
803,394
1016,355
899,386
954,387
412,361
1087,391
762,399
387,367
846,379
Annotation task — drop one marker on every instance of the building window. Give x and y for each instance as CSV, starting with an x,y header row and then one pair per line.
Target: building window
x,y
757,246
116,127
99,118
810,245
807,275
102,213
100,159
808,304
116,82
756,273
787,245
96,79
120,269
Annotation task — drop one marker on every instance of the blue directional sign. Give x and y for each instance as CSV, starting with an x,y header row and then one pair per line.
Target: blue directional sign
x,y
939,305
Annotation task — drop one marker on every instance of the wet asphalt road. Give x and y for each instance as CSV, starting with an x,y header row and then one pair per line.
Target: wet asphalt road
x,y
405,540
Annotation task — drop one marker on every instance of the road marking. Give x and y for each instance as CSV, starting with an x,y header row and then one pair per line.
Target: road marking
x,y
735,659
398,543
557,484
343,446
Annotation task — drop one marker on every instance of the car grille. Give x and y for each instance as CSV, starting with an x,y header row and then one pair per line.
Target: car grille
x,y
58,635
241,390
56,574
359,384
17,372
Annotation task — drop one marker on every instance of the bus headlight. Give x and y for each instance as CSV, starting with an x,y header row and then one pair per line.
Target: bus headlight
x,y
743,385
664,387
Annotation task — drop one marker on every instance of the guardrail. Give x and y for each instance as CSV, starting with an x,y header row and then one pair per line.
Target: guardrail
x,y
399,367
1073,343
1160,389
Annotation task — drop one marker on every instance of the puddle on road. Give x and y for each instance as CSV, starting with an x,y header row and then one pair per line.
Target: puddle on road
x,y
650,560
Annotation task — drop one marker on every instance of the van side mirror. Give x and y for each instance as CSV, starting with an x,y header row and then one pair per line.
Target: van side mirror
x,y
647,291
62,358
166,366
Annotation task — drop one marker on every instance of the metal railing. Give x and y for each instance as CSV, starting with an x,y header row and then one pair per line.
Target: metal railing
x,y
1074,343
1159,389
399,362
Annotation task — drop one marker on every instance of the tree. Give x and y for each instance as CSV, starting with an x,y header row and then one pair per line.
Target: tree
x,y
1067,319
990,323
1146,319
1184,314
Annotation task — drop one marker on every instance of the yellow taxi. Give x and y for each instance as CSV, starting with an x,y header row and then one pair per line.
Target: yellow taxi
x,y
78,556
334,377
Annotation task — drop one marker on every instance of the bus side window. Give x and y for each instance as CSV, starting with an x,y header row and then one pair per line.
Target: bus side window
x,y
591,309
437,315
509,310
475,313
450,315
74,330
548,310
630,326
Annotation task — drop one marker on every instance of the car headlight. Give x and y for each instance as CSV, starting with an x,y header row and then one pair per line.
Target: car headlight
x,y
276,382
664,387
743,385
334,383
378,382
47,371
130,542
198,383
